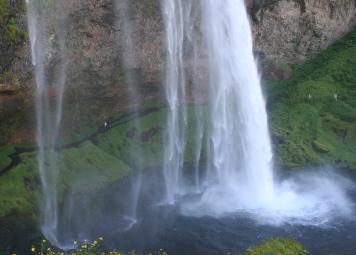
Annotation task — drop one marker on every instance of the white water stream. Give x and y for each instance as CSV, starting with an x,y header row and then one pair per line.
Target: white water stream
x,y
48,110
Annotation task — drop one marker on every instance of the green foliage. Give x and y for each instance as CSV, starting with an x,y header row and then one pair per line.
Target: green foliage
x,y
13,33
277,246
4,9
313,116
85,248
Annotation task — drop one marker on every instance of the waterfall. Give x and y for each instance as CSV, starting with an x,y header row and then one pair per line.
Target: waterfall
x,y
216,116
240,153
173,11
239,172
128,62
48,111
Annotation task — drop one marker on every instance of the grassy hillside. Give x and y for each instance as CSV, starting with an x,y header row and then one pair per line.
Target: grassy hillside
x,y
313,115
91,162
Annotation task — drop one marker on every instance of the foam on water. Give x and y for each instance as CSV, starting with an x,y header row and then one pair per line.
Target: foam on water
x,y
240,175
309,198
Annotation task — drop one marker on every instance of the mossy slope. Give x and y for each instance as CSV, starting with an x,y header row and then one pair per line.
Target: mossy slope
x,y
313,116
19,188
86,166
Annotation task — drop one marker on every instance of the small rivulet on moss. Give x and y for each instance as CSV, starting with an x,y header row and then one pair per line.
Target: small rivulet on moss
x,y
313,115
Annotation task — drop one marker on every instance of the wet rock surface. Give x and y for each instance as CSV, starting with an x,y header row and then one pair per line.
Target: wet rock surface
x,y
98,42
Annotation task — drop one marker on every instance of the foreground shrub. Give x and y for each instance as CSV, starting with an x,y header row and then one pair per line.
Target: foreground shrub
x,y
83,248
277,246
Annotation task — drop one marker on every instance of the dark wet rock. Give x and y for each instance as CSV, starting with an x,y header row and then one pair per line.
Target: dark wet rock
x,y
145,136
98,84
131,133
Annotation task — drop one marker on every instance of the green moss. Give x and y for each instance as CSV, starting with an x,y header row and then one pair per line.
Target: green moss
x,y
321,147
14,121
4,9
136,138
5,153
18,188
14,34
277,246
88,168
313,116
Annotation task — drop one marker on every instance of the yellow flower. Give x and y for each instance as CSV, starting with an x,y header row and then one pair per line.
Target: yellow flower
x,y
101,238
44,241
33,249
74,242
48,249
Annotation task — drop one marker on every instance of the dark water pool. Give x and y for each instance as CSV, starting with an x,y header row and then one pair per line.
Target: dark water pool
x,y
206,235
163,227
177,234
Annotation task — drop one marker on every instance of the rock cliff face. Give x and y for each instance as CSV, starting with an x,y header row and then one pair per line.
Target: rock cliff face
x,y
99,42
291,31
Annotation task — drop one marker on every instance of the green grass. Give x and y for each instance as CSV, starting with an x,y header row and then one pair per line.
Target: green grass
x,y
19,190
278,246
93,165
5,153
88,168
136,138
309,126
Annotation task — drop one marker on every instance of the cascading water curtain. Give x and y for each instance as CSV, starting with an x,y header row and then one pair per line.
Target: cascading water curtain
x,y
239,152
129,63
48,111
173,12
241,148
